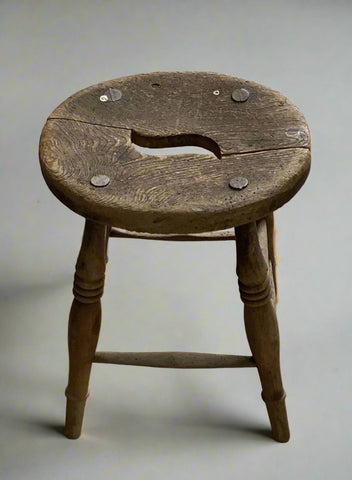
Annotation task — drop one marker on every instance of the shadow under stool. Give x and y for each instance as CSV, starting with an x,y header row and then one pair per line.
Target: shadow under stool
x,y
259,157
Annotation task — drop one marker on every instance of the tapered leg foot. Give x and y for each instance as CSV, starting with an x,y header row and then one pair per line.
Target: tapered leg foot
x,y
278,420
74,418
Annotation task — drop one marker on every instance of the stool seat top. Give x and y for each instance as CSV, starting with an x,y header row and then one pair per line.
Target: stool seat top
x,y
90,163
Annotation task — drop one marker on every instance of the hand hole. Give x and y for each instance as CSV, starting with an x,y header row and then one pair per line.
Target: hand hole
x,y
174,144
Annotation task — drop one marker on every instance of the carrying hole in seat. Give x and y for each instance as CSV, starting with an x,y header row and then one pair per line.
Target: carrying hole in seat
x,y
175,144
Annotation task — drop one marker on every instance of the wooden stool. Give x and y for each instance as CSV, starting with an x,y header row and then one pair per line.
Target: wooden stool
x,y
259,157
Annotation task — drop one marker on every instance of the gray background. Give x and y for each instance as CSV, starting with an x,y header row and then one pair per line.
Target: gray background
x,y
145,423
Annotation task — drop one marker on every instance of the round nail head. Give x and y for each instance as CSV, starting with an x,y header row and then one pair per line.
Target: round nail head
x,y
238,183
240,95
114,94
216,92
100,180
296,133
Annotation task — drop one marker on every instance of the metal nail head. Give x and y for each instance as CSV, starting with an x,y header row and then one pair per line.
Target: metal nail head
x,y
100,180
299,134
113,94
240,95
238,183
216,92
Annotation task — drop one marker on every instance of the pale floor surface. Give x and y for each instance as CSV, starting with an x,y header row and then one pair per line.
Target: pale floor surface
x,y
142,423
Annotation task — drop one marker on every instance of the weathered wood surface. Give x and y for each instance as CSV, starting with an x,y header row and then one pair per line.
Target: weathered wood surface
x,y
163,194
184,104
272,251
266,244
261,324
175,359
196,237
264,139
84,322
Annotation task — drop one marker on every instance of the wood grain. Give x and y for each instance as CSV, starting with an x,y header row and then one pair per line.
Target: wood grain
x,y
196,237
177,194
84,322
261,325
175,359
184,104
272,251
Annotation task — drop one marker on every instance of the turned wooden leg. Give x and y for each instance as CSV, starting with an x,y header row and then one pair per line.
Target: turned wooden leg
x,y
261,324
84,322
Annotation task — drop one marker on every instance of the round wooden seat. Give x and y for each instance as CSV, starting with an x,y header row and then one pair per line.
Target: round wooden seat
x,y
263,138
